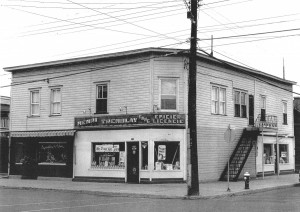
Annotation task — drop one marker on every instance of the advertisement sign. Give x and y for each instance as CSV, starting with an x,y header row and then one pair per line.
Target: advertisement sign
x,y
162,152
107,148
122,157
283,154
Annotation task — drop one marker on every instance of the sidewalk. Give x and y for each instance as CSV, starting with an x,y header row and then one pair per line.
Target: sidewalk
x,y
207,190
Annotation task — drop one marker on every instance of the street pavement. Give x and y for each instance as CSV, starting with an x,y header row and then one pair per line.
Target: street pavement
x,y
208,190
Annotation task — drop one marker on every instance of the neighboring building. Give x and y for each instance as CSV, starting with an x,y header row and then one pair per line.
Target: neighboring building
x,y
4,134
123,116
297,131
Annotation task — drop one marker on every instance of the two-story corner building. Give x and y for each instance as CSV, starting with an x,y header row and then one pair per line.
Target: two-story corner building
x,y
123,117
4,134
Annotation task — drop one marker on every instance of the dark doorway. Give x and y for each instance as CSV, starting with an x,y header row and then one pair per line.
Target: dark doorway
x,y
251,110
133,162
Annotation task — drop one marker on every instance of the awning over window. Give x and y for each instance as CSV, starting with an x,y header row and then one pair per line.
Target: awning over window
x,y
50,133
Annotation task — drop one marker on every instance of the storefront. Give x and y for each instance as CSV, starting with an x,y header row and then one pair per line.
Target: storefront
x,y
52,151
275,154
142,148
4,152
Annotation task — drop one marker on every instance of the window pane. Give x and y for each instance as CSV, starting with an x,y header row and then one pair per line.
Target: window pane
x,y
222,108
214,93
35,109
168,86
34,97
222,95
168,102
268,154
237,110
237,97
53,152
243,98
166,155
108,155
104,90
56,95
244,111
144,153
99,95
283,153
263,102
101,106
284,107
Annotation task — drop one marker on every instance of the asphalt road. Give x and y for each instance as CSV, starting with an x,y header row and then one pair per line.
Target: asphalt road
x,y
38,200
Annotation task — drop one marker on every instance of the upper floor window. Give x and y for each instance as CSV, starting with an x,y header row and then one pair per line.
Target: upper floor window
x,y
55,104
284,112
101,100
168,94
262,108
218,100
35,102
240,104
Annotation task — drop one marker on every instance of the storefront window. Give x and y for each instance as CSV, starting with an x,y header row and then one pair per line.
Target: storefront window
x,y
268,154
19,152
283,153
108,155
144,153
167,155
52,153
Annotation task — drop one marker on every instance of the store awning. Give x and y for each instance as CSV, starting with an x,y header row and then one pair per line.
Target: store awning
x,y
49,133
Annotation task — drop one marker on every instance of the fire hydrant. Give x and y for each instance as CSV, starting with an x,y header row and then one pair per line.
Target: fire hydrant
x,y
247,179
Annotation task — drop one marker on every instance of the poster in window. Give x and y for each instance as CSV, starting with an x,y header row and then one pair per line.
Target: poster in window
x,y
162,152
122,157
283,154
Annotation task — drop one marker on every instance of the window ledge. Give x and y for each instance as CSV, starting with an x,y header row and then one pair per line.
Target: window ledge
x,y
33,116
215,114
54,115
101,113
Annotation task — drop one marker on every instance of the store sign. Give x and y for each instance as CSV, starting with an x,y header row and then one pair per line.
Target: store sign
x,y
107,148
138,120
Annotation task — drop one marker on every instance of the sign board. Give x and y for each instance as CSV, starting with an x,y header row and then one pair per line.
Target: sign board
x,y
133,120
107,148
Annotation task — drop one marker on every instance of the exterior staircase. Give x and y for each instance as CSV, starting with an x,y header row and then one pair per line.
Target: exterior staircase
x,y
240,154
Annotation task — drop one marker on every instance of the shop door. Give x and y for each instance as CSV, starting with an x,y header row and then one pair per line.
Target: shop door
x,y
251,110
133,162
3,155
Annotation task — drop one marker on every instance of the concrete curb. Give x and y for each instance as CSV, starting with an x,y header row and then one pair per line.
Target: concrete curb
x,y
154,196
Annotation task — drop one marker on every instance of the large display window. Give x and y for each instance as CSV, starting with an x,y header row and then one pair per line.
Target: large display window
x,y
283,153
108,155
167,155
52,153
268,154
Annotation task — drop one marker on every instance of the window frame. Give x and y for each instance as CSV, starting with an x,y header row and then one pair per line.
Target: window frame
x,y
37,90
284,113
241,114
107,95
263,107
52,89
176,93
217,101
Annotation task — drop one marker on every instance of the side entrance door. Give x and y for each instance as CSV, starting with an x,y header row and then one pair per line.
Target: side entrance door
x,y
133,162
251,110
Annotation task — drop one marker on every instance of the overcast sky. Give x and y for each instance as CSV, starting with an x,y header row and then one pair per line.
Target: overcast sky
x,y
253,33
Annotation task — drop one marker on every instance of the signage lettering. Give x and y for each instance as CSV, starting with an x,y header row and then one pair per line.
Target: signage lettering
x,y
131,120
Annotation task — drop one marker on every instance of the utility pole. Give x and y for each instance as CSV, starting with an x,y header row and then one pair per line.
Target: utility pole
x,y
193,188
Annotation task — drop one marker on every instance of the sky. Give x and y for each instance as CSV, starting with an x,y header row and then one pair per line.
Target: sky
x,y
259,34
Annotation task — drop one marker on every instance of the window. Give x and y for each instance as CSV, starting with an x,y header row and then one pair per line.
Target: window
x,y
283,153
108,155
240,105
268,154
262,108
167,155
144,155
168,94
19,152
101,101
284,112
55,107
52,153
218,100
34,102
